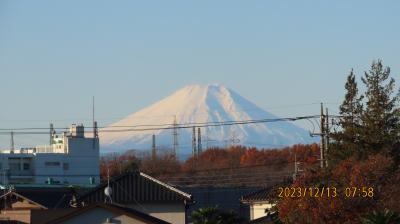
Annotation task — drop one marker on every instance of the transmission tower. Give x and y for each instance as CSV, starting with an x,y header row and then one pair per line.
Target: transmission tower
x,y
175,136
199,146
233,139
153,148
194,149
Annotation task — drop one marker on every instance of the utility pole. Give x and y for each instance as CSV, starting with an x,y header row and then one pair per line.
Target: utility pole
x,y
297,165
153,148
322,148
323,133
326,138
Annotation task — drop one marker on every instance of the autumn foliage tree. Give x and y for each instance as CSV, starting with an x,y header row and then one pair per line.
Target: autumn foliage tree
x,y
114,165
240,156
342,208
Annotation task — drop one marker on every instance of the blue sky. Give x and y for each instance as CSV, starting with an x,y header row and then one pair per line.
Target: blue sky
x,y
285,56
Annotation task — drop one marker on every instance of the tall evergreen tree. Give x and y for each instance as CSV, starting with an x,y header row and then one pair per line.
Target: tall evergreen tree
x,y
348,138
380,118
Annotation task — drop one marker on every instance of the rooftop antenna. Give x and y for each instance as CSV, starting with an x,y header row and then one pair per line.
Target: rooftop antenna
x,y
108,190
95,130
12,142
93,110
52,133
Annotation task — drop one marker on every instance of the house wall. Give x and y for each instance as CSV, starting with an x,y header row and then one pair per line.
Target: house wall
x,y
23,216
170,212
99,216
258,210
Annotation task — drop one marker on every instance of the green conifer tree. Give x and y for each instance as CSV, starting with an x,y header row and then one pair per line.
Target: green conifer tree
x,y
347,139
380,118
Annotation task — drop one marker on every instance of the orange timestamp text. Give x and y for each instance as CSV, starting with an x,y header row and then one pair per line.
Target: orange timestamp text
x,y
327,192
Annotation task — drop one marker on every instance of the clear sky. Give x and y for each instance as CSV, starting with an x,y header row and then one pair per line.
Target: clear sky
x,y
285,56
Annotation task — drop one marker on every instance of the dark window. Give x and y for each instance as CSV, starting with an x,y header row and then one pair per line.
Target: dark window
x,y
26,166
65,166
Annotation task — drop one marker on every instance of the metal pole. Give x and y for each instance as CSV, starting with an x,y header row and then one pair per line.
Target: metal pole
x,y
322,136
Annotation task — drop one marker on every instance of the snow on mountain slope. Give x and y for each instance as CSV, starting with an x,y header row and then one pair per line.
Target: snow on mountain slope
x,y
199,104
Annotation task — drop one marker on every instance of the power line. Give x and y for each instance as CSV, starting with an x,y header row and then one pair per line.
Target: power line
x,y
167,126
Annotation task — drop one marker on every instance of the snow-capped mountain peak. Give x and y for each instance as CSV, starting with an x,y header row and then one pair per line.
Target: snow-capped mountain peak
x,y
201,104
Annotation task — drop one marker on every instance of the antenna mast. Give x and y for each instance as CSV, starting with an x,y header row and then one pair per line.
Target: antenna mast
x,y
95,133
12,142
52,132
95,130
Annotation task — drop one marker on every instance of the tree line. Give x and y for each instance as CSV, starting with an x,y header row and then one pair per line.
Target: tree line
x,y
165,165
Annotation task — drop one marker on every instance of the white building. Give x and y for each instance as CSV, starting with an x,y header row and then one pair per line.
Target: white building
x,y
70,159
260,205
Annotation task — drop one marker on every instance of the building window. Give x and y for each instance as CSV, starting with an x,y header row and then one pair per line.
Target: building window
x,y
26,166
65,166
52,163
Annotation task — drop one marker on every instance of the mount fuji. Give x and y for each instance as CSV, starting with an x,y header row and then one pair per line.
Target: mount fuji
x,y
200,104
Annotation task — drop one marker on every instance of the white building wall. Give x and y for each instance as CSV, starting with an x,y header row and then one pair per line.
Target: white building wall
x,y
258,210
100,216
76,167
170,212
76,163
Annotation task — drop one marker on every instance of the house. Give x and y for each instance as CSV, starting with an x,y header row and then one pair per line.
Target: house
x,y
95,214
127,197
52,205
143,193
18,204
260,204
70,158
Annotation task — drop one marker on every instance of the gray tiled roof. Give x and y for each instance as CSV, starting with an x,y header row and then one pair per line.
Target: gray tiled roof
x,y
135,187
261,195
